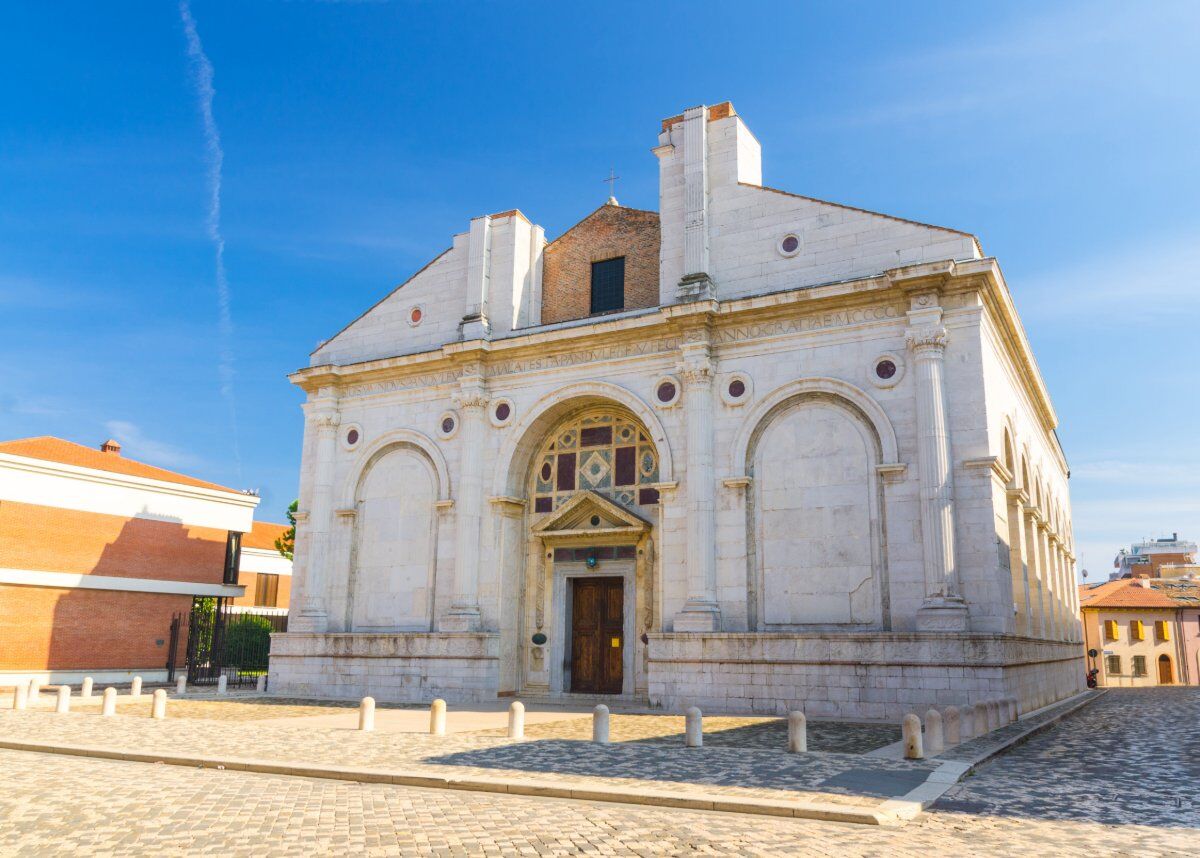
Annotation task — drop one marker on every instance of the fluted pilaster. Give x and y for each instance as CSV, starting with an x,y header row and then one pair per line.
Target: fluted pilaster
x,y
318,522
472,402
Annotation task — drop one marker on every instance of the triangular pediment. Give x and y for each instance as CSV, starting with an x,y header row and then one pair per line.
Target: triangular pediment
x,y
590,513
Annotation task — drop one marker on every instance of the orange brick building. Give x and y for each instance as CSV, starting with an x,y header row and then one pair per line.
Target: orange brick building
x,y
265,574
99,552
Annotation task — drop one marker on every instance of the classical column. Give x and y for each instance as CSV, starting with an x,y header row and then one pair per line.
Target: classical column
x,y
1060,579
1018,552
318,521
1051,589
471,400
700,612
943,608
1037,611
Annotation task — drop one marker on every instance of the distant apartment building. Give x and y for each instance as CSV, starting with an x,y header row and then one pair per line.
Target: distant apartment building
x,y
1169,557
1144,631
98,553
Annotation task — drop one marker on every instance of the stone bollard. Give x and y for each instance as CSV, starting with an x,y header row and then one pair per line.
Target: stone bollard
x,y
261,685
797,733
366,714
109,706
933,732
181,686
63,704
222,684
85,690
1014,710
21,697
135,689
951,733
968,723
437,718
693,734
516,720
600,725
158,705
35,692
910,730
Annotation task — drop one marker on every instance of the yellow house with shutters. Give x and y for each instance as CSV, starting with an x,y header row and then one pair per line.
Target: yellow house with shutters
x,y
1134,627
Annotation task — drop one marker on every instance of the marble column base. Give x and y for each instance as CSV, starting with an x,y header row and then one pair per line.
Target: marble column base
x,y
943,614
698,616
461,618
311,618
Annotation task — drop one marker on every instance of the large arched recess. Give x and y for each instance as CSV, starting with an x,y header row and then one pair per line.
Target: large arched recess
x,y
393,489
518,552
816,450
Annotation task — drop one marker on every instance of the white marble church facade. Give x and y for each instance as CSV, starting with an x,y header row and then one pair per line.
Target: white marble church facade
x,y
811,463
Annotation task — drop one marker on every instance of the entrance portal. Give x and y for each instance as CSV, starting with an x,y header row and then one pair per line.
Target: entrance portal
x,y
1165,674
597,635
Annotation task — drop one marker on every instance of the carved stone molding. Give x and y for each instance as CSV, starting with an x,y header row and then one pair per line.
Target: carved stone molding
x,y
926,340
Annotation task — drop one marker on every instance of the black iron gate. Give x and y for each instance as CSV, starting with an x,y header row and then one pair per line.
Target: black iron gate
x,y
224,640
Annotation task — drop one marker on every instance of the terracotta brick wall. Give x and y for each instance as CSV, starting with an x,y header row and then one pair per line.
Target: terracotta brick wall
x,y
44,628
85,543
608,232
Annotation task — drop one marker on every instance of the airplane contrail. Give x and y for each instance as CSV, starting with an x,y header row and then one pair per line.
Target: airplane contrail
x,y
202,79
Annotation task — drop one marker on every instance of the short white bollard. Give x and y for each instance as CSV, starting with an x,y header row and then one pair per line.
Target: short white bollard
x,y
181,686
135,689
366,714
797,733
63,704
951,734
222,684
261,685
109,706
968,723
158,705
21,697
85,690
600,725
933,732
693,735
516,720
437,718
910,730
35,692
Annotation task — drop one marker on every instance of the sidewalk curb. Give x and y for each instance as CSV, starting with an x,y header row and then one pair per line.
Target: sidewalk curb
x,y
511,786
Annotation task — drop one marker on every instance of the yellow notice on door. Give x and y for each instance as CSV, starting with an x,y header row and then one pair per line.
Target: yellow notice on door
x,y
616,642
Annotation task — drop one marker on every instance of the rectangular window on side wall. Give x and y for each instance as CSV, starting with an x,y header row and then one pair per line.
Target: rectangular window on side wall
x,y
1139,665
1112,665
1110,629
233,557
608,285
1162,631
266,591
1137,631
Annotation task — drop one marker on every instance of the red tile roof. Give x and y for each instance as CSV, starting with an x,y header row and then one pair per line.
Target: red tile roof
x,y
1130,593
50,449
264,535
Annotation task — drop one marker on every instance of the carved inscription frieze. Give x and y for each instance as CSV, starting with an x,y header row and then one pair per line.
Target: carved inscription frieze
x,y
805,324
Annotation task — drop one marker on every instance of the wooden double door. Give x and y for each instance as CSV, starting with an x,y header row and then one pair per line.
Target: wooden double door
x,y
597,635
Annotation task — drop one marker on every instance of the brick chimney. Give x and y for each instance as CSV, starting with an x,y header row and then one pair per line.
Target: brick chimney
x,y
111,446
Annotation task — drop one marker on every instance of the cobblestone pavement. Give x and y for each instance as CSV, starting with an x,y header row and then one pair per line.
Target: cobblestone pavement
x,y
1104,782
255,709
745,772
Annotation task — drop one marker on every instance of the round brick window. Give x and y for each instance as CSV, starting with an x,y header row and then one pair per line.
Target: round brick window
x,y
885,369
447,425
737,388
415,315
666,391
352,437
790,244
503,410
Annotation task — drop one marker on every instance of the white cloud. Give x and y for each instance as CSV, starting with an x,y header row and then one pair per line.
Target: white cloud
x,y
136,445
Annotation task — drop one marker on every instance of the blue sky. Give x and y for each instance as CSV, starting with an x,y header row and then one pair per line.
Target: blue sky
x,y
357,137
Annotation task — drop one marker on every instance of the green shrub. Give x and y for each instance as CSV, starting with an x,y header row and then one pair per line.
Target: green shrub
x,y
247,642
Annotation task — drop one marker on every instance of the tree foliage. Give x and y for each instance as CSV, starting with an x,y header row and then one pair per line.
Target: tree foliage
x,y
286,544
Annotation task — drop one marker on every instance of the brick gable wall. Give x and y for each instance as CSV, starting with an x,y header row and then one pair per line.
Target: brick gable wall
x,y
608,232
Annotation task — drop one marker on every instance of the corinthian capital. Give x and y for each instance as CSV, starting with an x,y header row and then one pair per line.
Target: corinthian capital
x,y
326,421
472,393
928,339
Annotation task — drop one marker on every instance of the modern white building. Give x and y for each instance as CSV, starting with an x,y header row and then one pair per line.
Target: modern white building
x,y
754,451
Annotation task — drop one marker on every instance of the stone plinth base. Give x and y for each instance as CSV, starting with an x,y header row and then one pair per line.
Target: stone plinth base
x,y
407,667
867,675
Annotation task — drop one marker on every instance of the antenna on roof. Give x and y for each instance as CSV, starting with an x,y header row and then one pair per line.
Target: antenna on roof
x,y
612,187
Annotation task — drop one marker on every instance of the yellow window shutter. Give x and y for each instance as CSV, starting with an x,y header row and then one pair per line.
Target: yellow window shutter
x,y
1164,631
1136,630
1110,629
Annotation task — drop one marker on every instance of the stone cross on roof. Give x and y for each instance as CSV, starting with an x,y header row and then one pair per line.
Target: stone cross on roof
x,y
612,186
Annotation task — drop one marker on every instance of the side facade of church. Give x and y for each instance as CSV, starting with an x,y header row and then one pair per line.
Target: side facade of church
x,y
753,452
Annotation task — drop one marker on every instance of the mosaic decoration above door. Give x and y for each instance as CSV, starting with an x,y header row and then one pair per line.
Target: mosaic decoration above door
x,y
602,451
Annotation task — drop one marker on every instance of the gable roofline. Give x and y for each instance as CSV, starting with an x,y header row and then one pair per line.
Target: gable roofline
x,y
969,235
410,279
597,211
